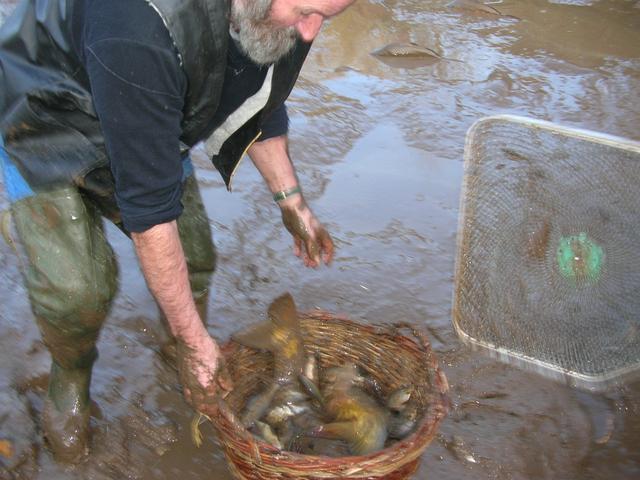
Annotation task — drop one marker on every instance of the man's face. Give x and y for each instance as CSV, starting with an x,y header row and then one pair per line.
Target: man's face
x,y
268,29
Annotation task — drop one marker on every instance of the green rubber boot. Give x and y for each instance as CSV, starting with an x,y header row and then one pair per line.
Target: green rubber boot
x,y
67,412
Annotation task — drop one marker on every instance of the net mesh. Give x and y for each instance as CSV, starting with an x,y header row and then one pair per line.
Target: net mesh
x,y
548,262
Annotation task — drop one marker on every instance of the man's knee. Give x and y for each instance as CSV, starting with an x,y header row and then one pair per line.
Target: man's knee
x,y
70,274
76,305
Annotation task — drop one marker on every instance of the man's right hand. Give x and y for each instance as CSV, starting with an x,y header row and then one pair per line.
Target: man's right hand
x,y
202,373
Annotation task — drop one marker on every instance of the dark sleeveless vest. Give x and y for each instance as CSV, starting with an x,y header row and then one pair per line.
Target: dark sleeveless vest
x,y
47,119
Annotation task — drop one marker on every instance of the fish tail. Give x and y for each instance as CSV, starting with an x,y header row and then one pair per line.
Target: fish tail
x,y
283,312
196,434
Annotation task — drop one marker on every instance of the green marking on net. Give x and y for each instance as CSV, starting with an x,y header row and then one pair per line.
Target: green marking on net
x,y
579,258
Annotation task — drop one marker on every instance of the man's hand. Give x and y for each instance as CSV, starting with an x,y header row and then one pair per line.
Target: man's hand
x,y
202,373
311,240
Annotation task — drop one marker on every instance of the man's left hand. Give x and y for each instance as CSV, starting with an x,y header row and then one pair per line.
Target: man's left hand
x,y
311,240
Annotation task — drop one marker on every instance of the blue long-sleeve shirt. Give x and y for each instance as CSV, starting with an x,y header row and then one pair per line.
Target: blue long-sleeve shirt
x,y
138,90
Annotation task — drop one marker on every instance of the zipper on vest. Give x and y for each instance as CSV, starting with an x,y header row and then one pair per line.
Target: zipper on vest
x,y
241,157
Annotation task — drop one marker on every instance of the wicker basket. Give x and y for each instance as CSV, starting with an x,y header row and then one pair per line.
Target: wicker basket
x,y
384,353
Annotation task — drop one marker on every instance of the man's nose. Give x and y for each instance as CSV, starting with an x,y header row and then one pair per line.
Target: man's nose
x,y
309,26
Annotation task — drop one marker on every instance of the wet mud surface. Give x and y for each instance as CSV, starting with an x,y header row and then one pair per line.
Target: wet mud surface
x,y
379,153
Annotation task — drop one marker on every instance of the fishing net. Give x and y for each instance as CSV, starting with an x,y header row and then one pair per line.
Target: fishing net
x,y
548,260
384,353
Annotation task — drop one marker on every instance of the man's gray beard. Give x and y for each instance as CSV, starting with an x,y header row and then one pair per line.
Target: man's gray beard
x,y
261,41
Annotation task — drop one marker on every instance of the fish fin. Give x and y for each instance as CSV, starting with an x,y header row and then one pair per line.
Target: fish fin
x,y
283,312
257,336
431,51
311,388
311,367
196,434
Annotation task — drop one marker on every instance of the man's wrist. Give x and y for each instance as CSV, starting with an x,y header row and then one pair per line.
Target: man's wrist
x,y
191,333
292,202
282,195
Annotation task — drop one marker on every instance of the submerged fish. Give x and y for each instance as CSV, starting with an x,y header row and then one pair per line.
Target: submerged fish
x,y
327,447
287,403
258,405
399,398
409,55
474,6
404,412
478,7
406,50
311,368
402,424
355,416
289,422
267,433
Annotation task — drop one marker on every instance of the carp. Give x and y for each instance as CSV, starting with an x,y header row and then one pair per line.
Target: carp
x,y
403,412
355,416
290,395
409,55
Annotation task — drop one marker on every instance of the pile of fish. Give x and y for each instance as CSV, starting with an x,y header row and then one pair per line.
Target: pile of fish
x,y
335,412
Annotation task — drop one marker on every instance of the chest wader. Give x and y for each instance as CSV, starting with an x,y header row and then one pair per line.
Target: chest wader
x,y
71,278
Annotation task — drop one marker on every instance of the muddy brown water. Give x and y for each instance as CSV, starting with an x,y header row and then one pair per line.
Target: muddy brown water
x,y
379,153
